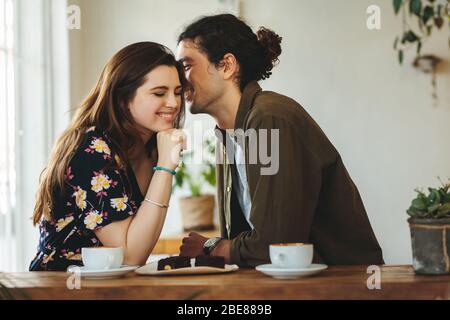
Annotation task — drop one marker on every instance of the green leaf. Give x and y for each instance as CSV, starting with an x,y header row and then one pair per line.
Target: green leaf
x,y
428,13
210,175
397,5
412,213
419,47
409,36
179,180
419,204
445,197
445,209
415,7
195,189
434,197
400,56
434,208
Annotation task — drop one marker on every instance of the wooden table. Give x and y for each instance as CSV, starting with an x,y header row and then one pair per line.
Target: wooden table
x,y
397,282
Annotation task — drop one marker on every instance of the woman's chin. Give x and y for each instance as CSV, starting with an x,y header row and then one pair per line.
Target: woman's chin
x,y
163,127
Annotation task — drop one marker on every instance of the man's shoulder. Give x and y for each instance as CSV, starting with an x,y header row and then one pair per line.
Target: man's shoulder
x,y
278,106
270,101
284,113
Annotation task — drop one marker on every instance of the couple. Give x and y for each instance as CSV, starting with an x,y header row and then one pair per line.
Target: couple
x,y
109,177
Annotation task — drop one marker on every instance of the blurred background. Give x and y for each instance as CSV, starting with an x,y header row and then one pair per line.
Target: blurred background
x,y
389,121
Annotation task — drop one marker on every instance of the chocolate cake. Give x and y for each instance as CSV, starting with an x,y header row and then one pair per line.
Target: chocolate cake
x,y
210,261
176,262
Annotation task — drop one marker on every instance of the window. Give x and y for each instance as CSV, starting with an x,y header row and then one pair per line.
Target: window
x,y
7,135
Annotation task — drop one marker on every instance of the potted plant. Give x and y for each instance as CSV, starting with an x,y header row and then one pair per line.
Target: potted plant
x,y
429,223
197,209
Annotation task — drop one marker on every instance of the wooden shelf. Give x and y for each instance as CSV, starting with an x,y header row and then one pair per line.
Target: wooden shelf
x,y
170,244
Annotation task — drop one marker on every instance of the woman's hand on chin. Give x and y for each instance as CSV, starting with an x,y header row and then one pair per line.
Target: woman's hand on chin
x,y
170,143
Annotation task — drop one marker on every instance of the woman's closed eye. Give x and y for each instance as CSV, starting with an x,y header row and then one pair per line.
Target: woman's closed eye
x,y
162,94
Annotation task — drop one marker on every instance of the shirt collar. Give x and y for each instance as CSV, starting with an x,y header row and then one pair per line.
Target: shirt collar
x,y
248,97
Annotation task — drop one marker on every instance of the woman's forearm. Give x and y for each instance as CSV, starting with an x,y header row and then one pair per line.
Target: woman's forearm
x,y
145,228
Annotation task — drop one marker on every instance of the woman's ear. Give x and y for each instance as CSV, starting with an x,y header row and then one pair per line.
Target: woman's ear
x,y
230,66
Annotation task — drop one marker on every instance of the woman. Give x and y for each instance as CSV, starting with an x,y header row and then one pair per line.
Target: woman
x,y
109,178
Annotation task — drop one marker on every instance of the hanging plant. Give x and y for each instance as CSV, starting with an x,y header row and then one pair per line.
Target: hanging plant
x,y
429,15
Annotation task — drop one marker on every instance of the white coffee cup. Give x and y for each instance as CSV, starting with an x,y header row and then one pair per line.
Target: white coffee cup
x,y
291,255
102,258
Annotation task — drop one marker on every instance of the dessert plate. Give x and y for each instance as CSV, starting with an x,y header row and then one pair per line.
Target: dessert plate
x,y
151,269
282,273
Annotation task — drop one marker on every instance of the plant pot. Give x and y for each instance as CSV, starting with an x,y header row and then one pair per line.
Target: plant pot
x,y
430,240
198,212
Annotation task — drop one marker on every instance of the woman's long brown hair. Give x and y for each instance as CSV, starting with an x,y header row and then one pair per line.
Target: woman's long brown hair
x,y
106,108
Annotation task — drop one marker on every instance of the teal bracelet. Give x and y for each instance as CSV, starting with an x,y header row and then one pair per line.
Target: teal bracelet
x,y
158,168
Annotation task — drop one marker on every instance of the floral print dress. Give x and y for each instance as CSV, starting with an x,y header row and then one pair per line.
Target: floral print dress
x,y
95,195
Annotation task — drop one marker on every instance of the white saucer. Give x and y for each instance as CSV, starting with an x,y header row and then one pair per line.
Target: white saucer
x,y
101,274
282,273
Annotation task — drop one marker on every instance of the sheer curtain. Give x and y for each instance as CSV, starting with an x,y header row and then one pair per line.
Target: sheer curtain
x,y
34,104
7,135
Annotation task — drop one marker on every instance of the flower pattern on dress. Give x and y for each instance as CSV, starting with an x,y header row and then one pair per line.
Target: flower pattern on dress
x,y
62,223
80,198
100,182
99,145
96,193
120,204
70,255
93,219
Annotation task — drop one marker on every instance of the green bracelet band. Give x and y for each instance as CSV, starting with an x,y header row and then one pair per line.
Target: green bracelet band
x,y
158,168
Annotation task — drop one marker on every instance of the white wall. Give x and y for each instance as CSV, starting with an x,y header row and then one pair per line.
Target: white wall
x,y
379,115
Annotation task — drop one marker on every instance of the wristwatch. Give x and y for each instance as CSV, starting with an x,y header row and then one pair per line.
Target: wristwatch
x,y
210,244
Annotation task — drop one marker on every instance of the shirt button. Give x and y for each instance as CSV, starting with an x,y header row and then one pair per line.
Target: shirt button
x,y
228,189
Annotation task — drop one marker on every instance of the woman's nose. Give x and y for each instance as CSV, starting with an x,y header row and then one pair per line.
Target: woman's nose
x,y
172,101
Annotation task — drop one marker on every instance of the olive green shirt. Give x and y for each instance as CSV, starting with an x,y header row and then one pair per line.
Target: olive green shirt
x,y
311,198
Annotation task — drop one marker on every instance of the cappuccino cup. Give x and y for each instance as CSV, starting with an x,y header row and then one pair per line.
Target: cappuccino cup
x,y
102,258
291,255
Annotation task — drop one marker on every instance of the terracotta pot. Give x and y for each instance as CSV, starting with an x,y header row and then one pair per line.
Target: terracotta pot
x,y
430,240
198,212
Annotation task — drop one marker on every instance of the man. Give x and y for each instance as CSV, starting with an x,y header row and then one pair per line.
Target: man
x,y
305,194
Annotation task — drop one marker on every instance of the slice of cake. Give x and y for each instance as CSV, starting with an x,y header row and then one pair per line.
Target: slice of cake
x,y
210,261
176,262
